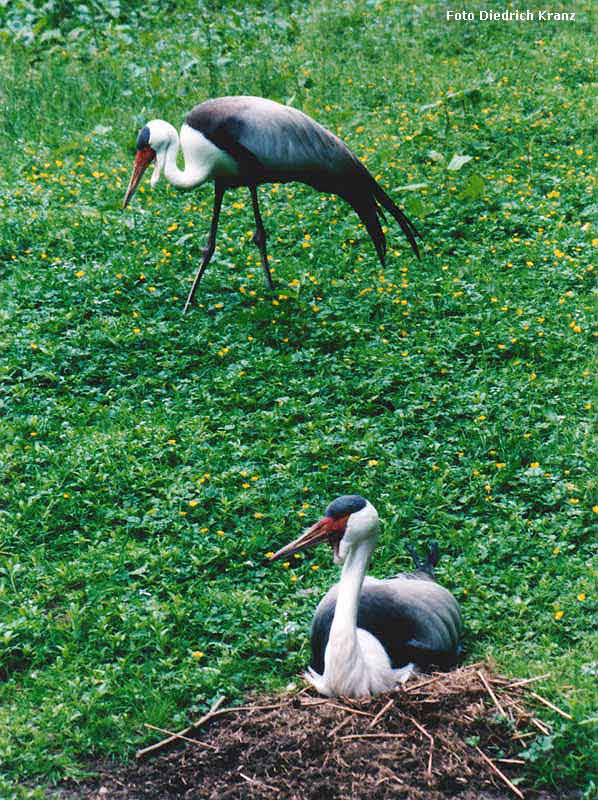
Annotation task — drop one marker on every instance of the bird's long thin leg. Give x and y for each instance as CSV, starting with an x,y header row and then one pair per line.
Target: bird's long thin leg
x,y
211,243
259,238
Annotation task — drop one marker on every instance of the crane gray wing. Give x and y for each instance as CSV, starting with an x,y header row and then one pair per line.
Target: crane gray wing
x,y
416,620
270,141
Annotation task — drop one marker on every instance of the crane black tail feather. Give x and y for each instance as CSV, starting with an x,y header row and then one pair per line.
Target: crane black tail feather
x,y
407,226
431,561
368,214
370,201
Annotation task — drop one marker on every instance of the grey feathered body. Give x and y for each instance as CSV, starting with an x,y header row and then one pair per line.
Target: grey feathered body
x,y
271,142
414,618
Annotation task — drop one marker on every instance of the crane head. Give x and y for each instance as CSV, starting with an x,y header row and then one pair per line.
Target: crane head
x,y
143,158
348,521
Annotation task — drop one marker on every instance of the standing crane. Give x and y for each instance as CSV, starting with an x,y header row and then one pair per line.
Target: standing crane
x,y
368,635
247,141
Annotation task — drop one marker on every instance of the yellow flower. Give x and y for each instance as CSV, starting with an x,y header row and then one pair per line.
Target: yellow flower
x,y
80,273
581,597
219,533
559,614
500,465
372,462
193,503
574,501
172,441
258,515
197,654
534,464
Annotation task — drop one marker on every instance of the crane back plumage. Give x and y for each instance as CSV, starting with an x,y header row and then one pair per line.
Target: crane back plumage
x,y
275,143
414,618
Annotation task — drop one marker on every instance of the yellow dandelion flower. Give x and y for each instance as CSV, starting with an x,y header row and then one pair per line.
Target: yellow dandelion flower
x,y
581,597
559,614
197,654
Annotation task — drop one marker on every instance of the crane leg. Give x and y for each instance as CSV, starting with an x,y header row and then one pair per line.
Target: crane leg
x,y
259,238
208,251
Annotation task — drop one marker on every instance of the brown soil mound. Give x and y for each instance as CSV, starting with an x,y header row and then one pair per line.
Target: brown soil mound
x,y
429,740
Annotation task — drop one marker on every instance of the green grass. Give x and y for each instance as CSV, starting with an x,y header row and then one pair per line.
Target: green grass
x,y
149,461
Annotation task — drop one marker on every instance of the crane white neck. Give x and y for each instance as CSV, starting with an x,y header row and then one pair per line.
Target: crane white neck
x,y
203,160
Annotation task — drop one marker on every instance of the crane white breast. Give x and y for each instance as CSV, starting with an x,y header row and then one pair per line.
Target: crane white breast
x,y
205,156
357,668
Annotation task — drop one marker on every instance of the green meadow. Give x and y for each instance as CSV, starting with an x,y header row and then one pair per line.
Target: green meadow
x,y
150,461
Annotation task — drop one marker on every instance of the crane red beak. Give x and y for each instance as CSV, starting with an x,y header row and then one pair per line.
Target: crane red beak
x,y
143,159
326,529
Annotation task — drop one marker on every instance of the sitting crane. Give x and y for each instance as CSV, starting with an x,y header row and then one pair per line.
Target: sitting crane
x,y
247,141
369,635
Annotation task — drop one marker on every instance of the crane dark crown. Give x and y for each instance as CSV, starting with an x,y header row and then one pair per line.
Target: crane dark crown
x,y
143,138
347,504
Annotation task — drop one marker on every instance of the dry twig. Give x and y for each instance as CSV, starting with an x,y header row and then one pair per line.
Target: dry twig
x,y
431,740
180,736
382,712
152,748
375,736
488,688
525,681
548,704
500,774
